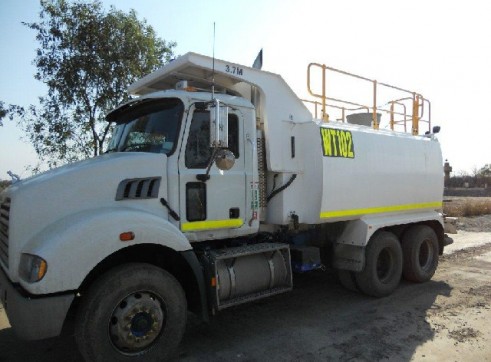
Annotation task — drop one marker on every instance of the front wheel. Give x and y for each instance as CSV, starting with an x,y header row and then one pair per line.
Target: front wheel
x,y
383,265
133,312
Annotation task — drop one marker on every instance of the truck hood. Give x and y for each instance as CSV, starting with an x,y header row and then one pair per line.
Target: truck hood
x,y
85,178
38,202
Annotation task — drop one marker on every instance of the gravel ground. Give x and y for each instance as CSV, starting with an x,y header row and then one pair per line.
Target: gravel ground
x,y
446,319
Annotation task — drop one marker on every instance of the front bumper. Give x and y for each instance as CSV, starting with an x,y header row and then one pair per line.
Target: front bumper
x,y
33,318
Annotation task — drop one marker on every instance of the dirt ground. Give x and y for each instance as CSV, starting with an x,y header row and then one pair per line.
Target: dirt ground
x,y
446,319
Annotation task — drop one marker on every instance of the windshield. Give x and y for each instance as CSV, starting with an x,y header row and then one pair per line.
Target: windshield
x,y
150,125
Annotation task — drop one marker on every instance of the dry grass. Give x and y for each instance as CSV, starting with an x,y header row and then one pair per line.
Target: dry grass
x,y
467,206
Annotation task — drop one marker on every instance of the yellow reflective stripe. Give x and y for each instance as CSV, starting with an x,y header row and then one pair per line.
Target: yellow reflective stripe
x,y
379,210
212,224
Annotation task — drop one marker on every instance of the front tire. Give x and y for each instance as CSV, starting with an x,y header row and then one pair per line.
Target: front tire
x,y
420,249
383,265
133,312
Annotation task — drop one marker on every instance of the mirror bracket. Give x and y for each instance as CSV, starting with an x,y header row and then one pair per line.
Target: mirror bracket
x,y
224,159
203,177
218,125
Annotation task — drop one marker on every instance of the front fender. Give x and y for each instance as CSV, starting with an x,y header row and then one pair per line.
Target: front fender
x,y
73,246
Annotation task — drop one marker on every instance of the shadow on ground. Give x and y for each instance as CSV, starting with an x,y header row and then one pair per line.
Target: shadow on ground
x,y
53,349
319,320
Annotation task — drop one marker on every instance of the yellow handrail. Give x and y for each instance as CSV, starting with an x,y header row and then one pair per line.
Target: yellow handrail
x,y
416,99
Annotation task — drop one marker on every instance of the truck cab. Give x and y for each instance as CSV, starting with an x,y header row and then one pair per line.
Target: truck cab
x,y
175,124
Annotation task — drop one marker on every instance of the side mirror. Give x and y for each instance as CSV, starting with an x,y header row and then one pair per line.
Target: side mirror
x,y
436,129
218,125
224,159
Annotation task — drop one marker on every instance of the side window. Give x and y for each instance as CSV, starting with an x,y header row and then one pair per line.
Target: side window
x,y
233,134
198,150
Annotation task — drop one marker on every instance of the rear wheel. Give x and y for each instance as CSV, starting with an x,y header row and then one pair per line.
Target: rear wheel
x,y
347,279
420,249
133,312
383,265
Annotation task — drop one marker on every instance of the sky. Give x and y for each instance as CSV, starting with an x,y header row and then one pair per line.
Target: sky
x,y
439,49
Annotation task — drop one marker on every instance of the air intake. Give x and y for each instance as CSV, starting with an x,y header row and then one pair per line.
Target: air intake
x,y
138,188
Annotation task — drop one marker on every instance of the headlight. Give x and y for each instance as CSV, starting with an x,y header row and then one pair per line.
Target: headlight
x,y
32,268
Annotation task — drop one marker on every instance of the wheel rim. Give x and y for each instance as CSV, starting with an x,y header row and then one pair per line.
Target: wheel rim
x,y
137,322
385,262
425,255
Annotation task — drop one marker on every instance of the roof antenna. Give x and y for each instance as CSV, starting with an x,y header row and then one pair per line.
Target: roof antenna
x,y
213,74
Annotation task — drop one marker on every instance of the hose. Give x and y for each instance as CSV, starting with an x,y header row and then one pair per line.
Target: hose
x,y
277,191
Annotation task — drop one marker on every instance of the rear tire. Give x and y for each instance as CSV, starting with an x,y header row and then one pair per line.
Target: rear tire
x,y
347,279
420,250
133,312
383,265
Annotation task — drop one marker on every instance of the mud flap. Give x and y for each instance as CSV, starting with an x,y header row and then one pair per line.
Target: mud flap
x,y
349,257
447,240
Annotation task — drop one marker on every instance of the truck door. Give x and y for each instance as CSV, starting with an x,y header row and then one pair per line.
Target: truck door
x,y
215,207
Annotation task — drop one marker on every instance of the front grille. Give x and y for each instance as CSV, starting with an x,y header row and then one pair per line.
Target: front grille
x,y
4,231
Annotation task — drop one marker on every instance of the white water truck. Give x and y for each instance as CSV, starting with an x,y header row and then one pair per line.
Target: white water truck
x,y
219,183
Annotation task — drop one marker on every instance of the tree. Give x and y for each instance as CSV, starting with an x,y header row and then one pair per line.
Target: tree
x,y
3,112
4,184
9,111
87,57
485,171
